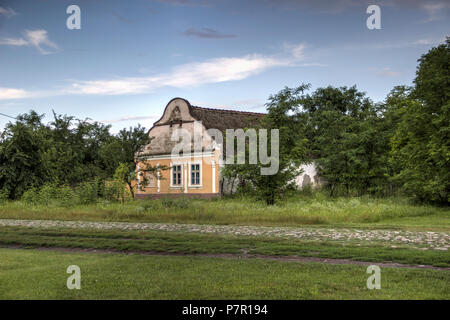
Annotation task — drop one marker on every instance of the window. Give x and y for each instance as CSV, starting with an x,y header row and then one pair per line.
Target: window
x,y
195,174
176,175
151,180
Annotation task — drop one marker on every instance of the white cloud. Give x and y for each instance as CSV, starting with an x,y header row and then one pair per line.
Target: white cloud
x,y
429,41
185,75
39,38
7,12
435,10
129,118
36,38
14,42
297,50
387,72
191,74
394,45
12,93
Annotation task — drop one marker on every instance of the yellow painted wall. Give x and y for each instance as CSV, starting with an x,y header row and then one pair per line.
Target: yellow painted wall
x,y
165,188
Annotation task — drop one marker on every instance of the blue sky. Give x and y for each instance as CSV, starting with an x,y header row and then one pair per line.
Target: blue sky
x,y
131,57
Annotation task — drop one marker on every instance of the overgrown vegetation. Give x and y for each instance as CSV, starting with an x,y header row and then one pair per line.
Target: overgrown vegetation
x,y
317,208
401,145
398,147
67,153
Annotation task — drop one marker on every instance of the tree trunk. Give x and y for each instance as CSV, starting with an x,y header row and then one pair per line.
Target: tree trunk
x,y
131,189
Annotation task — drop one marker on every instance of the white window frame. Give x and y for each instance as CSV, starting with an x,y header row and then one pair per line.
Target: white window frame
x,y
194,186
176,186
153,175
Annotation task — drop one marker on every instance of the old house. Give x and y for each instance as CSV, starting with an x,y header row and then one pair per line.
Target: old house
x,y
196,171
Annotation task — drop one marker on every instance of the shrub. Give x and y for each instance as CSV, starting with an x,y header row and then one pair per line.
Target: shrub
x,y
87,192
4,195
31,196
111,190
66,197
48,194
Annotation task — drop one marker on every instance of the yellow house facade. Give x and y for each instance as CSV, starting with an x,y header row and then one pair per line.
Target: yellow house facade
x,y
187,164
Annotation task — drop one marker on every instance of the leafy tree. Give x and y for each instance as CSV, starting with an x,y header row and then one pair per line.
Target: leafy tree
x,y
421,144
121,179
72,150
67,151
121,152
20,155
341,126
392,112
292,149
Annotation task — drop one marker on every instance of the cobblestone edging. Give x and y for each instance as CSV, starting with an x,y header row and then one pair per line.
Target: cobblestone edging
x,y
422,240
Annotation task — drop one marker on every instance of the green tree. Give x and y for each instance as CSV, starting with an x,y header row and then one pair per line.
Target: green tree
x,y
122,150
342,129
292,149
121,180
21,146
421,144
67,151
72,148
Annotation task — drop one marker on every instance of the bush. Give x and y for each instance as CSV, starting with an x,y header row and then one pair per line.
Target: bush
x,y
87,192
31,196
66,197
4,195
306,190
111,191
48,194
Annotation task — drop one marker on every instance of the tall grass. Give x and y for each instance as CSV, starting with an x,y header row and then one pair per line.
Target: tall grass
x,y
301,209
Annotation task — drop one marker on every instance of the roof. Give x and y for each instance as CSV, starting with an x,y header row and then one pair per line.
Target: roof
x,y
225,119
219,119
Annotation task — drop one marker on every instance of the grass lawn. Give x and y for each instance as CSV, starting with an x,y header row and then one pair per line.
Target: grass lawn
x,y
33,274
317,209
41,274
175,242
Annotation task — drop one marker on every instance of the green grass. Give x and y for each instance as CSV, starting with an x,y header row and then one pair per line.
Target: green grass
x,y
174,242
32,274
300,210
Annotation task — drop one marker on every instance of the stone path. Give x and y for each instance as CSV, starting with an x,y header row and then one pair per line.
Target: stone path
x,y
422,240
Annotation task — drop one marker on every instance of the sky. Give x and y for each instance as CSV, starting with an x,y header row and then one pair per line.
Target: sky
x,y
129,58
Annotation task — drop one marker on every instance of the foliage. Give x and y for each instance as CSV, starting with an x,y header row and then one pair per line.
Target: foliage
x,y
67,151
3,195
299,209
342,126
87,192
121,152
421,143
122,178
21,146
292,150
399,146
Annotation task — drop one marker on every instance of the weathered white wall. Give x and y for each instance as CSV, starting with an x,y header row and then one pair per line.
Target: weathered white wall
x,y
161,132
308,176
